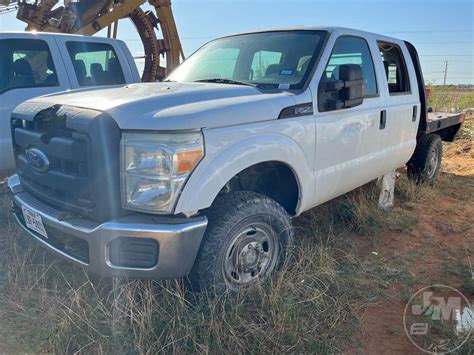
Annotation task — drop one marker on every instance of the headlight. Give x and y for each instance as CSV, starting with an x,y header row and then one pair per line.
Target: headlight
x,y
154,168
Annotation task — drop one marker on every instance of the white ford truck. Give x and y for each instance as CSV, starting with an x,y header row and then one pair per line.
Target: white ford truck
x,y
200,175
34,64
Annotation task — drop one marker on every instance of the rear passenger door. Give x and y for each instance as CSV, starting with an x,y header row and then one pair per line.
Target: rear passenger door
x,y
95,63
350,142
402,102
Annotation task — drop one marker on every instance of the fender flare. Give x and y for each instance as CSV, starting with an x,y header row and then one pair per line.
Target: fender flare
x,y
215,170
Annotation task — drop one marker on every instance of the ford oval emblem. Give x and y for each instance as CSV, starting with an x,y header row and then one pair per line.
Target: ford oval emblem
x,y
38,161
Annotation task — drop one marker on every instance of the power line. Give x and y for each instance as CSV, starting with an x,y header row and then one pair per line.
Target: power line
x,y
451,42
427,31
440,72
451,76
457,60
457,79
445,55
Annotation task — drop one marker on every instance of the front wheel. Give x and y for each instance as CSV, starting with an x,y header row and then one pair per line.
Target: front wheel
x,y
247,238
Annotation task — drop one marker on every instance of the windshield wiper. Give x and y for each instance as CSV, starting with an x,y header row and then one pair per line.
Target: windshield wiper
x,y
225,81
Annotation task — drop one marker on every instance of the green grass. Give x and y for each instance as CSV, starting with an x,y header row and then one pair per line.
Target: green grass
x,y
444,98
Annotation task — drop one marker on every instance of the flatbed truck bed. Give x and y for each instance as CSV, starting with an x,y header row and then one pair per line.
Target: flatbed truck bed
x,y
445,125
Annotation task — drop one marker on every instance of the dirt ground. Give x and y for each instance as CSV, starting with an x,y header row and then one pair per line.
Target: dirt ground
x,y
443,237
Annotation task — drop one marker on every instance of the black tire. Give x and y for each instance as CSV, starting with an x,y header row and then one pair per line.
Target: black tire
x,y
235,219
426,161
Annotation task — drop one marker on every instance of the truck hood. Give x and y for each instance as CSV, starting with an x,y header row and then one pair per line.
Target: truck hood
x,y
176,106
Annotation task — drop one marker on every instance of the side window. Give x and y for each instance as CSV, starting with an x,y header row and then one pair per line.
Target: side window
x,y
265,64
26,63
95,64
395,68
352,50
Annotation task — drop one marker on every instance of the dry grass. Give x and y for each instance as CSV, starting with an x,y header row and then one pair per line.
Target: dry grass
x,y
312,305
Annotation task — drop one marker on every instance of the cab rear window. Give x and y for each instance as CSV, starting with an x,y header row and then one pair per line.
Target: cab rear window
x,y
26,63
395,68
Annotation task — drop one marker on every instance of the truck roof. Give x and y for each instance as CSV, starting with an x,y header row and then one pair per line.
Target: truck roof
x,y
330,29
33,34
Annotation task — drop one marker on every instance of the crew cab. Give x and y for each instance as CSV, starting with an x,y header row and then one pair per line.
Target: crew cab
x,y
199,176
35,64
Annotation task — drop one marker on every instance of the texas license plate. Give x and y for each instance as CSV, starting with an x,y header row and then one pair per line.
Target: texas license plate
x,y
34,221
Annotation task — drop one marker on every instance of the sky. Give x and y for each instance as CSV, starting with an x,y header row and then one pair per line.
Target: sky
x,y
441,30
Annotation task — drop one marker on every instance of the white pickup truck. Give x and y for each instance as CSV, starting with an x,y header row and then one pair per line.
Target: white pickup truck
x,y
34,64
200,175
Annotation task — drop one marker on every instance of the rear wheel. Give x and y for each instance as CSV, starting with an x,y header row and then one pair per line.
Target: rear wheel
x,y
247,238
426,161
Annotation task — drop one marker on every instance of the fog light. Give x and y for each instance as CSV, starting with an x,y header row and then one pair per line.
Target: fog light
x,y
133,253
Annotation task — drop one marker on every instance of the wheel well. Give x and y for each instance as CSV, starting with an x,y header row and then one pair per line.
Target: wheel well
x,y
273,179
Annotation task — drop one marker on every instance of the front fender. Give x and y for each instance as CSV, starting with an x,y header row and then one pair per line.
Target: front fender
x,y
225,160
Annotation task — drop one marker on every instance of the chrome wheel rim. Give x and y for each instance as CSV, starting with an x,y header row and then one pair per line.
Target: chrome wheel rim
x,y
251,256
433,163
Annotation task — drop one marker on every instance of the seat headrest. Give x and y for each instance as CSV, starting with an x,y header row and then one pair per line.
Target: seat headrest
x,y
96,68
22,67
80,68
114,65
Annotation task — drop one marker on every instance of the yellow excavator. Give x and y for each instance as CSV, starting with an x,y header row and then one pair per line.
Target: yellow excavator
x,y
88,17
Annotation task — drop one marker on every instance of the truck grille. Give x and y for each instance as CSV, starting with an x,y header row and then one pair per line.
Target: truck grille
x,y
68,157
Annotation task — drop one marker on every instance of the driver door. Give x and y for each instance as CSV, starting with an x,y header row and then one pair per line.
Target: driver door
x,y
349,141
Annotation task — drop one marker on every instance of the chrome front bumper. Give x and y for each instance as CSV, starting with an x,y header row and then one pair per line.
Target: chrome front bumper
x,y
178,239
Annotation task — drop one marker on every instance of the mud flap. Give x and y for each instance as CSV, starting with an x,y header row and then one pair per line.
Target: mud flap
x,y
387,190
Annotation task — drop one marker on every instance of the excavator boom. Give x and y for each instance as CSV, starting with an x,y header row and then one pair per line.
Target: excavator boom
x,y
88,17
7,6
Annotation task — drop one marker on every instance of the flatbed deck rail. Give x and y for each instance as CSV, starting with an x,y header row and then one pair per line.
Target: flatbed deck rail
x,y
444,124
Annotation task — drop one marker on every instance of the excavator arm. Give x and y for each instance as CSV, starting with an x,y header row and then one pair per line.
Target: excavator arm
x,y
88,17
7,6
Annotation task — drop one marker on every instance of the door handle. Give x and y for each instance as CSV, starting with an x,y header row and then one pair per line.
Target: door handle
x,y
415,113
383,119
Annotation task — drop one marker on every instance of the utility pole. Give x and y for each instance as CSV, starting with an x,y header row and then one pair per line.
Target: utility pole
x,y
445,73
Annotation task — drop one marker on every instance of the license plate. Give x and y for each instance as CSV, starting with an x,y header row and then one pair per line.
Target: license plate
x,y
34,221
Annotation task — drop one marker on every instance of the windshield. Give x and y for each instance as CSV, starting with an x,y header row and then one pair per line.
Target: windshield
x,y
266,59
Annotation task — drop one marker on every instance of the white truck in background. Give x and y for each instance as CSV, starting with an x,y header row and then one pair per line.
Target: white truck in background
x,y
36,64
200,175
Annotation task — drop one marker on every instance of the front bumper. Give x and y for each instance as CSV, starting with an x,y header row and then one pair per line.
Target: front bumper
x,y
94,245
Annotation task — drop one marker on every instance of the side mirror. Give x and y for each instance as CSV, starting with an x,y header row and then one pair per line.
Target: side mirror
x,y
346,92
